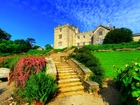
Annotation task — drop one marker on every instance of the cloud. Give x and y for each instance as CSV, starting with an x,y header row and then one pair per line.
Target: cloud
x,y
88,14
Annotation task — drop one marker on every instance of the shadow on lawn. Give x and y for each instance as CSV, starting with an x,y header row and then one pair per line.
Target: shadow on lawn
x,y
110,93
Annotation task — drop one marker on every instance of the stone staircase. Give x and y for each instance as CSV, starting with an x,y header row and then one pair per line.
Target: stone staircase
x,y
68,81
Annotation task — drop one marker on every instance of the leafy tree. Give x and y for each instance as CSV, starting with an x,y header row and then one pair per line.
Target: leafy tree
x,y
31,41
22,45
118,35
4,35
48,46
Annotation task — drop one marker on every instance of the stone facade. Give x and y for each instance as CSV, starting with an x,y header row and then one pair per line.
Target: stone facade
x,y
136,37
67,36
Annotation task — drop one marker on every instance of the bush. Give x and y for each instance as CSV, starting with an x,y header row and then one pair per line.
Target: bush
x,y
84,56
26,67
10,62
128,81
38,52
61,50
113,46
39,87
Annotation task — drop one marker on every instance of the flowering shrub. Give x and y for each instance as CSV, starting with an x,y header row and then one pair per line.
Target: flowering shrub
x,y
26,67
128,81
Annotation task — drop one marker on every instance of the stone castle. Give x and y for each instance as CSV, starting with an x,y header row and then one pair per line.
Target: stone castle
x,y
68,35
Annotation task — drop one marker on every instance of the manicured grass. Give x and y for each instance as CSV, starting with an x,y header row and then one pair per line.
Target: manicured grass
x,y
118,59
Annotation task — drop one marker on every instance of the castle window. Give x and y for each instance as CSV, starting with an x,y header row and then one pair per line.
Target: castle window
x,y
78,37
60,29
84,36
59,43
100,33
89,36
60,36
83,43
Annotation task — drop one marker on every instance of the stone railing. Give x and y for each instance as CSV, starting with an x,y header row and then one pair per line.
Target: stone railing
x,y
84,73
50,53
51,69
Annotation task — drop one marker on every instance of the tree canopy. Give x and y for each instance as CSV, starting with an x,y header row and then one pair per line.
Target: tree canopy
x,y
4,35
118,35
17,46
48,46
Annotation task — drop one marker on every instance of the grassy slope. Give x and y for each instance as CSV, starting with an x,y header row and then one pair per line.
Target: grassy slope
x,y
119,59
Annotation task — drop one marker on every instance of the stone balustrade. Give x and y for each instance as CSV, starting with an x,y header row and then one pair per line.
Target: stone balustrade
x,y
84,73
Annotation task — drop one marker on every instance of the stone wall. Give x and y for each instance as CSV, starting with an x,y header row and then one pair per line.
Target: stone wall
x,y
83,73
51,69
67,36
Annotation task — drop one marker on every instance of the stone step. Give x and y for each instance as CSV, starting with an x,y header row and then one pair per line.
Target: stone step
x,y
69,89
67,76
63,66
68,80
69,93
69,84
65,71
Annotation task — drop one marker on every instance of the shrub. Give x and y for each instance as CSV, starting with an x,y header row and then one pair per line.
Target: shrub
x,y
113,46
128,81
39,87
10,62
26,67
61,50
84,56
38,52
2,60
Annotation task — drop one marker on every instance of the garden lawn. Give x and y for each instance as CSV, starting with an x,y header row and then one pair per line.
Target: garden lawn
x,y
111,61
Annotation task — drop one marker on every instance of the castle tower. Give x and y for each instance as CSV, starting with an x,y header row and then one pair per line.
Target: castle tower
x,y
64,36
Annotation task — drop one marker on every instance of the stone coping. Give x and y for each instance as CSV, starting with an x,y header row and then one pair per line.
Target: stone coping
x,y
4,72
51,69
82,67
91,85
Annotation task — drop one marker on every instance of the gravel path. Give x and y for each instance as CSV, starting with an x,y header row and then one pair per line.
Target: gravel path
x,y
85,99
108,95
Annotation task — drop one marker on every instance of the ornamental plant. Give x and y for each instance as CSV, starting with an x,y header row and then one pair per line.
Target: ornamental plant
x,y
25,67
39,87
128,81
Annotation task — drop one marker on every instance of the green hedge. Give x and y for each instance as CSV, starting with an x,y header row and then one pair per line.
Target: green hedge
x,y
113,46
38,52
84,56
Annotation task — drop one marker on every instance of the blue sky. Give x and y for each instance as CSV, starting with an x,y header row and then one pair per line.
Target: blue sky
x,y
37,18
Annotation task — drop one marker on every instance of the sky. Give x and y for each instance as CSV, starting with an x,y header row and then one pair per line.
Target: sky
x,y
37,18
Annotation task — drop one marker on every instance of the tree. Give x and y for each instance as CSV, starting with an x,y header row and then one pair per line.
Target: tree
x,y
48,46
22,45
31,41
4,35
118,35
